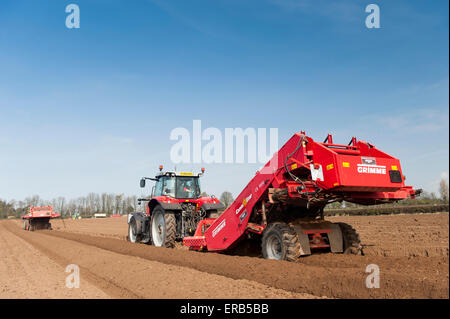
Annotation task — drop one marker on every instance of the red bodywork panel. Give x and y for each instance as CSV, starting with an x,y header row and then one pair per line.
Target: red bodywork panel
x,y
359,172
171,200
41,212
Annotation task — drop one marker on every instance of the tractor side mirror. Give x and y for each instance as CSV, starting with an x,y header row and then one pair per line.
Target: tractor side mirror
x,y
142,183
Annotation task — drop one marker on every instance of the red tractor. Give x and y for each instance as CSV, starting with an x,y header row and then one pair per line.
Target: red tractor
x,y
39,218
173,211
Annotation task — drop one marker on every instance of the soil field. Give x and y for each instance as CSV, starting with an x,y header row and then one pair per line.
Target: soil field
x,y
411,252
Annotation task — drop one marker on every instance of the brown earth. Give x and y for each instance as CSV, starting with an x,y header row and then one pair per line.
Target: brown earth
x,y
33,264
26,272
410,250
414,235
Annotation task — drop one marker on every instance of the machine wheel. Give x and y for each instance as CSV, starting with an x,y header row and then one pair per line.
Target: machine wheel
x,y
31,227
163,228
280,242
132,231
26,224
352,244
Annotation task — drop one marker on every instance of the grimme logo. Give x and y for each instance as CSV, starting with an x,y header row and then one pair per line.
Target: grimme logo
x,y
218,228
232,148
371,169
369,166
244,203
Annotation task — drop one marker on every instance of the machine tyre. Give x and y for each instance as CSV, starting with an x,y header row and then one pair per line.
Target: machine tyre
x,y
280,242
132,237
352,243
163,228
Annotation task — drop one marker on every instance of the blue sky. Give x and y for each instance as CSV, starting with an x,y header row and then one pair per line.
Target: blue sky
x,y
91,109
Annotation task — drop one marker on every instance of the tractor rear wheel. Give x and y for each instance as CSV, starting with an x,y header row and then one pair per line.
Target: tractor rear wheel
x,y
163,228
352,243
280,242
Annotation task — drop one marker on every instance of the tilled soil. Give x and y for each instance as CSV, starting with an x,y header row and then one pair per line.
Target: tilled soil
x,y
104,273
411,252
26,272
418,235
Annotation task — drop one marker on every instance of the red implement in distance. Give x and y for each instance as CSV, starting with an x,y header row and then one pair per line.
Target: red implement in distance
x,y
39,218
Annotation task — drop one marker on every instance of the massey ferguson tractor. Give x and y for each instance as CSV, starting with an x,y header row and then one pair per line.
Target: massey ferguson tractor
x,y
39,218
282,206
173,210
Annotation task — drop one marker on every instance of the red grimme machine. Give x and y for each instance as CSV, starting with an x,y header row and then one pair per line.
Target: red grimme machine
x,y
283,203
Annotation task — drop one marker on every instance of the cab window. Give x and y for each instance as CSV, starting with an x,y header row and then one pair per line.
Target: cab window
x,y
188,187
158,187
168,188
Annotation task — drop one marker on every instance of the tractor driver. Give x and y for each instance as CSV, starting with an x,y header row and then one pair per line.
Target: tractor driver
x,y
185,189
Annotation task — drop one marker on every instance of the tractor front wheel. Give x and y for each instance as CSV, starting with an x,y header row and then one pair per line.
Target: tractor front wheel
x,y
132,231
280,242
163,228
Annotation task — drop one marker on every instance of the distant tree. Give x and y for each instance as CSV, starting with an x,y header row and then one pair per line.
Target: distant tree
x,y
443,190
134,203
7,209
118,204
60,205
226,198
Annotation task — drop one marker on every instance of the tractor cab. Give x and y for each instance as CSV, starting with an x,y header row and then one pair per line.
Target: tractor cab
x,y
179,185
173,211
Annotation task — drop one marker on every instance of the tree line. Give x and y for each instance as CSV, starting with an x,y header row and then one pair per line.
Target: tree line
x,y
84,206
119,204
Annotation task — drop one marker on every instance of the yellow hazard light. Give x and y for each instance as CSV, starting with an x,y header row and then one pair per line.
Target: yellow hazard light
x,y
293,166
394,168
330,166
346,164
336,184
